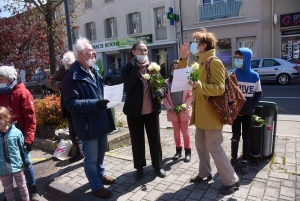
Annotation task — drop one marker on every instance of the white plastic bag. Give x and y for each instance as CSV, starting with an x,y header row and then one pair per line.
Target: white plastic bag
x,y
62,150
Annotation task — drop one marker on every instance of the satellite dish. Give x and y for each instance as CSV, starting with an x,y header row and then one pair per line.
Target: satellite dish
x,y
275,19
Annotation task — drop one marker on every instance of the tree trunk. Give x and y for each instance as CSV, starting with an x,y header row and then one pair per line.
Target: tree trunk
x,y
50,37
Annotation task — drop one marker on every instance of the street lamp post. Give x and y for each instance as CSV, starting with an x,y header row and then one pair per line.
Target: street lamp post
x,y
68,24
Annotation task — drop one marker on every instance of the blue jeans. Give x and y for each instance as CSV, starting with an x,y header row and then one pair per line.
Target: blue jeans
x,y
93,151
29,175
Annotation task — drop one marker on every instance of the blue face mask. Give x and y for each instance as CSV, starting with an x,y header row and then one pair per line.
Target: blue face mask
x,y
3,85
172,73
95,67
238,63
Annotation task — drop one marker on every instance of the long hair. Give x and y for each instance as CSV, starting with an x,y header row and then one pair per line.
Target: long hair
x,y
171,67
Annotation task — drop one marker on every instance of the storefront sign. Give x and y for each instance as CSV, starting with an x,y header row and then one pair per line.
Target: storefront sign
x,y
123,42
291,32
225,58
289,20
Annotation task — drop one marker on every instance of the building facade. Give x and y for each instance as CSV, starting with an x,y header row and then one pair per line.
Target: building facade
x,y
112,26
270,28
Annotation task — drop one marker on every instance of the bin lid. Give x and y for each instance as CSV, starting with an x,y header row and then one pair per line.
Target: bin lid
x,y
269,108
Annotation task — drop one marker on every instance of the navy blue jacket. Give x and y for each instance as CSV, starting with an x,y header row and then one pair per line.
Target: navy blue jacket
x,y
81,96
249,83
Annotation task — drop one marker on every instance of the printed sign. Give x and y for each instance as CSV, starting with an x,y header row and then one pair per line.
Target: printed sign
x,y
289,20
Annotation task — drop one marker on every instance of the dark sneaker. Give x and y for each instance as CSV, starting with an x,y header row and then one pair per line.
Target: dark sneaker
x,y
103,193
233,162
139,175
227,190
160,173
107,180
245,167
34,196
198,179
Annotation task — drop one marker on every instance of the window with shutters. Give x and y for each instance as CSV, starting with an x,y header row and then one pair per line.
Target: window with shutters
x,y
134,23
160,23
110,27
90,31
88,4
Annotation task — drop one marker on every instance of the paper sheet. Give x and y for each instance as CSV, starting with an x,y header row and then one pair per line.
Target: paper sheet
x,y
114,94
180,79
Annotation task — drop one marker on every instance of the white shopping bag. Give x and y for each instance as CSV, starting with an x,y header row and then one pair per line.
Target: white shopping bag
x,y
62,150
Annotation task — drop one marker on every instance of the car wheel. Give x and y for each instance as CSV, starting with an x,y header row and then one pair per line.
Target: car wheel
x,y
283,79
108,82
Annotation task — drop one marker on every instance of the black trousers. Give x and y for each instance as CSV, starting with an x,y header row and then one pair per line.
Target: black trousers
x,y
244,123
73,136
136,128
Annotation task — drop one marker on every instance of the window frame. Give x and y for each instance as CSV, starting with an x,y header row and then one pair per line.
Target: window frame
x,y
86,31
160,31
88,3
130,30
106,27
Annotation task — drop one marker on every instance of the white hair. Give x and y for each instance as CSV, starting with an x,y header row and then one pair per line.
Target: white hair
x,y
79,46
68,58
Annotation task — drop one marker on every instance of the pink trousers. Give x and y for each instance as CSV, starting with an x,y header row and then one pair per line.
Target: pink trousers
x,y
184,127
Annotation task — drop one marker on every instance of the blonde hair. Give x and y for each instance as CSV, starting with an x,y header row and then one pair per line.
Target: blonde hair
x,y
5,115
209,38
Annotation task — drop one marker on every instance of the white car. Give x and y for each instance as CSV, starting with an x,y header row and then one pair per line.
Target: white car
x,y
275,69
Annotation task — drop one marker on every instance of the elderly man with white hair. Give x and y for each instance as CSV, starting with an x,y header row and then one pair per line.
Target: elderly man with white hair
x,y
15,97
56,84
83,97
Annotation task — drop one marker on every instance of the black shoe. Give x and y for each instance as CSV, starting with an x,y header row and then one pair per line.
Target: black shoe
x,y
187,155
76,158
139,175
178,153
198,179
34,196
160,173
245,167
233,162
227,190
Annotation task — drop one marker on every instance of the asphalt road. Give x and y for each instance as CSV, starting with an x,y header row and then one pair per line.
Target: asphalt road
x,y
287,97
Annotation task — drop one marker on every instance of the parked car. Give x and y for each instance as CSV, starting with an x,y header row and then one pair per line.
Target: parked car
x,y
39,80
114,77
275,69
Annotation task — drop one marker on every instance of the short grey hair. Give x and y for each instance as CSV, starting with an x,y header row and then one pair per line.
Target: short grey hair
x,y
68,58
79,46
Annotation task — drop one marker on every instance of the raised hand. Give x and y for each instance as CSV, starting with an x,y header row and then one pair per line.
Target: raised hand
x,y
184,51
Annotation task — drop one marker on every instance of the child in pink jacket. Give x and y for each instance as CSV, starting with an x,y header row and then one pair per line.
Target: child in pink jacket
x,y
179,121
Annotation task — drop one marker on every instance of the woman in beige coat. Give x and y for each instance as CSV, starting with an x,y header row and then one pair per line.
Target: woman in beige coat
x,y
209,137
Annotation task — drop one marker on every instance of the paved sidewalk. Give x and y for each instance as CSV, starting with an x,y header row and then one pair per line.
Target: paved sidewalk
x,y
276,178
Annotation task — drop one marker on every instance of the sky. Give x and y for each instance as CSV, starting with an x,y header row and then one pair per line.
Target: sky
x,y
3,14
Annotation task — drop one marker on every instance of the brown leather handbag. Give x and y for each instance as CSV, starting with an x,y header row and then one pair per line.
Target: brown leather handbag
x,y
229,104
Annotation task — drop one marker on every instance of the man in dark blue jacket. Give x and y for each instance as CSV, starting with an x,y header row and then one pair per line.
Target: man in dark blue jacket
x,y
249,83
83,98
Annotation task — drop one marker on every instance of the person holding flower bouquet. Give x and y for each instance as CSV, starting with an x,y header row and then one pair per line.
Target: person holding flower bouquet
x,y
179,111
209,136
145,88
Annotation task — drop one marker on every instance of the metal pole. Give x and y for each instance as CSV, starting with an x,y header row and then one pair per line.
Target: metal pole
x,y
68,24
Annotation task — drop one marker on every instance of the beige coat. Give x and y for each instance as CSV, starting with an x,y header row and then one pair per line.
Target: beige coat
x,y
203,116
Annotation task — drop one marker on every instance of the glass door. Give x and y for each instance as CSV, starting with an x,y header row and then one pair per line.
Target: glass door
x,y
161,59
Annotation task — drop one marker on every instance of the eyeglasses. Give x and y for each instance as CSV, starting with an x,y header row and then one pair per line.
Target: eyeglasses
x,y
90,50
142,50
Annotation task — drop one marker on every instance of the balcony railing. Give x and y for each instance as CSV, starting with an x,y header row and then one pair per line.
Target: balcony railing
x,y
219,10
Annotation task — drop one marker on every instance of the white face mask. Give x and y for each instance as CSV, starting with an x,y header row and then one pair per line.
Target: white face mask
x,y
90,62
194,48
141,58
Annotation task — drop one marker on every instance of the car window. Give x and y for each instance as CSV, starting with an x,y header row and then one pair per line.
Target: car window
x,y
119,71
269,63
36,77
255,63
43,76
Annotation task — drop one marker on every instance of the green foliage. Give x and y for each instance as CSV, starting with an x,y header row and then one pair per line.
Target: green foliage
x,y
179,108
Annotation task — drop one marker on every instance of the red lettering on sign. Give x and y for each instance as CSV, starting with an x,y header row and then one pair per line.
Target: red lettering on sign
x,y
286,20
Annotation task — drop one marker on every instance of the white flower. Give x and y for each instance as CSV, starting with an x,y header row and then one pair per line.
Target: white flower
x,y
154,66
195,66
183,105
256,118
146,76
